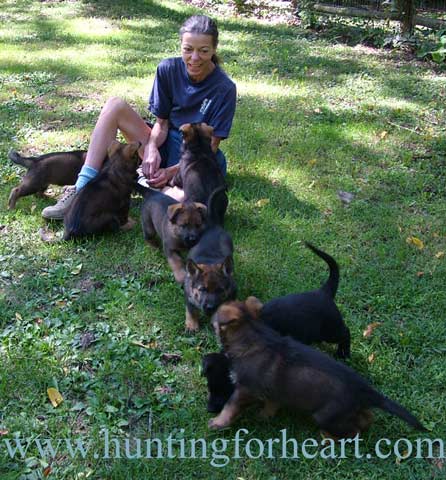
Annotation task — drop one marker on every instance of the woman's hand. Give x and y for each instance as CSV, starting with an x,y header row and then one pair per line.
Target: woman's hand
x,y
160,178
151,163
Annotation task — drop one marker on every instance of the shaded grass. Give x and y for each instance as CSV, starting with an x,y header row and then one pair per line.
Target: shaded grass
x,y
312,119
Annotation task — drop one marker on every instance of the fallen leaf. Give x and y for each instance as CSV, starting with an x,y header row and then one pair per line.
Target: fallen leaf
x,y
18,316
130,306
383,135
416,242
371,358
148,346
55,397
4,432
345,197
437,462
420,274
47,235
312,162
317,110
46,471
170,357
163,390
33,207
328,212
369,329
262,202
77,269
439,255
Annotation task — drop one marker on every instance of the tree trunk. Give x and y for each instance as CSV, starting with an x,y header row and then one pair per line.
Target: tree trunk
x,y
408,16
358,12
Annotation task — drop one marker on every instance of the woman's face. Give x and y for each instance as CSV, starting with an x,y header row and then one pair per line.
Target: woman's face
x,y
197,50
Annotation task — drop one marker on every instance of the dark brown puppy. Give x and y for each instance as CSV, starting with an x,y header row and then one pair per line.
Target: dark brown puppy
x,y
103,204
283,372
199,174
216,369
58,168
209,280
311,317
178,225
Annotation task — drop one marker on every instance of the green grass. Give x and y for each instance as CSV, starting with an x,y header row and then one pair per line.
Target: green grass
x,y
312,118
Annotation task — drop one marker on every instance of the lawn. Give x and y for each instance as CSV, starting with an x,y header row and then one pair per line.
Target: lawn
x,y
102,321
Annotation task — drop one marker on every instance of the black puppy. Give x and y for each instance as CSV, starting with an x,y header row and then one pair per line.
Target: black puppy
x,y
103,204
209,277
216,369
311,317
285,373
178,225
58,168
199,174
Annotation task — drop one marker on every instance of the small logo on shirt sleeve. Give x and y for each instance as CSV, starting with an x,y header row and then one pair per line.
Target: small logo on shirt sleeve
x,y
205,105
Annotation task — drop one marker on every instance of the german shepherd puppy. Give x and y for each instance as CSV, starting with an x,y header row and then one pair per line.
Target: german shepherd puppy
x,y
199,174
283,372
216,367
103,204
209,277
58,168
313,316
178,225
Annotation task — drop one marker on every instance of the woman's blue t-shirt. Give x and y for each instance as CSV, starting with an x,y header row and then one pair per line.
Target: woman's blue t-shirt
x,y
175,97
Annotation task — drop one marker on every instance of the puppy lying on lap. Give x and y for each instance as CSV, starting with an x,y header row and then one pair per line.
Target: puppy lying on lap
x,y
285,373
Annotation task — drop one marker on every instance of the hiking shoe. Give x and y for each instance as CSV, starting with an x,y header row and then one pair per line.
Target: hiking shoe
x,y
57,212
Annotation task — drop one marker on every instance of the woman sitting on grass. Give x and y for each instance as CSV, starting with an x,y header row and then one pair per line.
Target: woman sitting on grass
x,y
187,89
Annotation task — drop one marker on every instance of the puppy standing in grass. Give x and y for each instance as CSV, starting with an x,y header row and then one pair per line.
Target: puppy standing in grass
x,y
178,225
311,317
209,279
285,373
103,205
58,168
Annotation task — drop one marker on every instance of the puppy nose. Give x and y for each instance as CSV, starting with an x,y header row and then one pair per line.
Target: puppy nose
x,y
191,239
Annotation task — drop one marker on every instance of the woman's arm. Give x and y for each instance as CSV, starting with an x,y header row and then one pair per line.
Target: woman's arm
x,y
152,158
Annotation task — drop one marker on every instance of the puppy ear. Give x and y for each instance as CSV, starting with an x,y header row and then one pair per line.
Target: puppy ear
x,y
173,211
113,148
228,266
188,131
207,129
253,305
192,268
202,209
133,148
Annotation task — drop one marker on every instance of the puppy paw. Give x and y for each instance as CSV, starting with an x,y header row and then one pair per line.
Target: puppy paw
x,y
216,424
192,326
128,225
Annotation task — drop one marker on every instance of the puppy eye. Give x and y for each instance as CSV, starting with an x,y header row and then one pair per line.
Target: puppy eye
x,y
202,289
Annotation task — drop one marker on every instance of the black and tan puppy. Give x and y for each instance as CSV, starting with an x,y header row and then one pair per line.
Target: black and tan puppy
x,y
311,317
285,373
58,168
199,174
209,280
216,367
103,204
178,225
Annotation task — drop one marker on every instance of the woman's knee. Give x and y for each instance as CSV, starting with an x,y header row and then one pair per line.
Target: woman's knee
x,y
115,105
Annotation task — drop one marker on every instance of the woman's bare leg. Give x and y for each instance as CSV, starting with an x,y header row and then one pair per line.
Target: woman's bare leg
x,y
115,115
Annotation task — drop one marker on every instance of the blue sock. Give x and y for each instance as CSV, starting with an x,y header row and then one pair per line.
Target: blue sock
x,y
86,174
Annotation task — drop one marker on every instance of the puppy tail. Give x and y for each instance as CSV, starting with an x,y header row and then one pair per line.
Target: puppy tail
x,y
395,408
216,211
19,160
331,285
